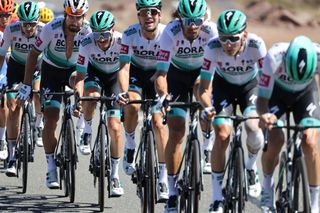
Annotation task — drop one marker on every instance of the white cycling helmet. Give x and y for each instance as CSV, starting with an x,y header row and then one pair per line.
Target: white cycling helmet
x,y
76,7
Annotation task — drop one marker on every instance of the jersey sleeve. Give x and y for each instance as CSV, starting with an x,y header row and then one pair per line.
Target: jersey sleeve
x,y
318,57
5,41
83,59
165,52
208,67
126,48
266,81
44,38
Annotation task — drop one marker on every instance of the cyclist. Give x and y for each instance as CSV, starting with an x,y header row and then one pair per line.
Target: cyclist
x,y
288,81
46,15
20,36
97,67
6,11
140,43
231,62
178,67
60,40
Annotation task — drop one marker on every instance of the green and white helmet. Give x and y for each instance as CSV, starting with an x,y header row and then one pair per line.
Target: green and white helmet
x,y
28,11
148,3
102,20
231,22
301,59
192,8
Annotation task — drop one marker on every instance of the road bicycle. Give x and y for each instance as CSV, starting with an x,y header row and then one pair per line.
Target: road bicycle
x,y
100,159
189,182
146,160
25,145
65,155
292,189
236,187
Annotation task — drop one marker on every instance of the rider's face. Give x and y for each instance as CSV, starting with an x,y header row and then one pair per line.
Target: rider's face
x,y
191,27
4,19
231,44
149,18
74,23
29,28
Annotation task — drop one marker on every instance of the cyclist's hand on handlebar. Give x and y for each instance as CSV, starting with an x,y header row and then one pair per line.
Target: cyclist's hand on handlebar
x,y
122,98
163,103
77,108
267,120
207,113
23,94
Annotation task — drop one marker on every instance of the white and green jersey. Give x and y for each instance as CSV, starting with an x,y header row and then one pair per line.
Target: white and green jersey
x,y
138,50
14,37
104,61
237,70
52,41
274,72
183,54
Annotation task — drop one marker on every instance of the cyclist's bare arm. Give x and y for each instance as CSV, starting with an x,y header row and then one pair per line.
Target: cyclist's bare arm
x,y
31,66
2,58
267,119
161,84
205,89
79,82
123,76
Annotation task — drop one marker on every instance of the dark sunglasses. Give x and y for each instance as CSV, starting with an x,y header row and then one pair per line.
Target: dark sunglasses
x,y
5,15
148,11
101,35
230,39
27,24
188,21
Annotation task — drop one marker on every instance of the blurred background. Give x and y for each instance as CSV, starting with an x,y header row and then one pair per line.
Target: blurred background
x,y
273,20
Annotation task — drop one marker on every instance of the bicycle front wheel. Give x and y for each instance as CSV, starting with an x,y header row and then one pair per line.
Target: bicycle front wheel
x,y
194,178
238,181
71,161
102,171
24,149
281,192
301,197
149,176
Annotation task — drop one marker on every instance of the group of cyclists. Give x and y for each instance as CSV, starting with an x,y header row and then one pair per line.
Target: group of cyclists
x,y
218,64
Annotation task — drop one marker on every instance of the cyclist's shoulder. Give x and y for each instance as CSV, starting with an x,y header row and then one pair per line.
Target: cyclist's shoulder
x,y
13,27
279,48
88,39
254,41
55,24
131,30
117,35
173,28
209,27
214,43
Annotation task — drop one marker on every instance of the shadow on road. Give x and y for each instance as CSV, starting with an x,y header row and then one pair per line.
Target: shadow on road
x,y
12,200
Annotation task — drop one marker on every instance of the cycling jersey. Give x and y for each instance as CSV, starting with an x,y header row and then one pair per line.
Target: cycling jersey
x,y
104,61
138,50
53,42
183,54
274,72
14,37
3,70
237,70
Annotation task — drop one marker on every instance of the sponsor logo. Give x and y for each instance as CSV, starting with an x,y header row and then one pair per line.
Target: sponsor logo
x,y
38,42
164,55
264,80
124,49
80,60
206,64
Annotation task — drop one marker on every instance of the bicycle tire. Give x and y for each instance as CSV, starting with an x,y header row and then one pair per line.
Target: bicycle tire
x,y
108,165
281,192
71,159
25,150
140,171
101,178
149,183
300,177
194,178
238,181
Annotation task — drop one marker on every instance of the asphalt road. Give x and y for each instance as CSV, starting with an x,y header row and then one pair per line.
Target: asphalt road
x,y
38,198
